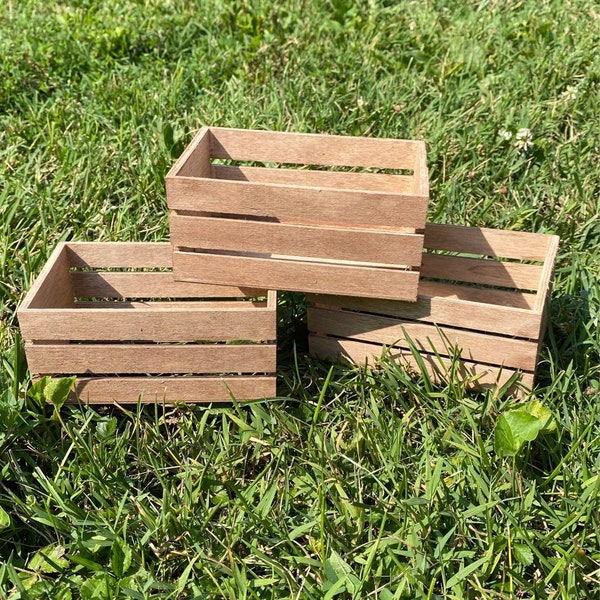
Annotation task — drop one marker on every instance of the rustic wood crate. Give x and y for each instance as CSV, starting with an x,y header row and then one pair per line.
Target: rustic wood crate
x,y
316,229
482,295
112,314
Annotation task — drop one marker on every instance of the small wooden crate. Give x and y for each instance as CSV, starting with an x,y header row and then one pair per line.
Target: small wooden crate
x,y
482,295
299,229
112,314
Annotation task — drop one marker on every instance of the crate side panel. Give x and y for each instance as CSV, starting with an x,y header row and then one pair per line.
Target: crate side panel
x,y
106,255
81,359
313,149
127,390
288,204
333,243
473,346
297,276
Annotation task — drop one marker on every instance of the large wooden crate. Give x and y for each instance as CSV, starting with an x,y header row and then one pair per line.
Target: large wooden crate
x,y
112,314
314,229
482,297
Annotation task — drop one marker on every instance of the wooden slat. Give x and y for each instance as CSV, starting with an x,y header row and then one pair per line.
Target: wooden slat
x,y
161,305
313,149
127,390
52,287
334,243
297,276
421,172
381,182
481,271
93,284
506,320
195,159
120,254
360,353
487,242
150,358
149,324
289,204
474,346
547,276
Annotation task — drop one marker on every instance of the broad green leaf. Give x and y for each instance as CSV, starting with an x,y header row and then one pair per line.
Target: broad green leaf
x,y
50,559
37,390
513,429
543,413
523,554
98,587
106,428
4,519
121,558
57,390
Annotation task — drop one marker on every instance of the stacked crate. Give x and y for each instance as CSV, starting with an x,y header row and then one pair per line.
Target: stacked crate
x,y
251,212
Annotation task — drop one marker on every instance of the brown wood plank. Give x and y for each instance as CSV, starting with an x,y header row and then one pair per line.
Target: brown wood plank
x,y
313,149
481,271
289,204
93,284
120,254
360,353
421,172
381,182
161,305
297,276
195,159
547,276
150,358
52,287
488,242
149,324
506,320
334,243
126,390
474,346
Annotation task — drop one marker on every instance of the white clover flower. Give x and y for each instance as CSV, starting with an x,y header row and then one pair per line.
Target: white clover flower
x,y
524,139
569,94
504,135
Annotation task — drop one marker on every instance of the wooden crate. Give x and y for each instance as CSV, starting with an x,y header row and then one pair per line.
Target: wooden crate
x,y
112,314
483,295
312,229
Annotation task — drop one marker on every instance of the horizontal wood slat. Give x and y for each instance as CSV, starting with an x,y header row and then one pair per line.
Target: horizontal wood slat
x,y
456,312
296,275
183,325
295,204
488,242
380,182
360,353
313,149
473,346
87,284
487,272
127,390
108,255
297,240
151,358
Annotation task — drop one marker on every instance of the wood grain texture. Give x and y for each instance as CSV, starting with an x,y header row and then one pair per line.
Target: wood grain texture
x,y
477,375
81,359
334,243
297,275
314,149
472,345
379,182
297,204
127,390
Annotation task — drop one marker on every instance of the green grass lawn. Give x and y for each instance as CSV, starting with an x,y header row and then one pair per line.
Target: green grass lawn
x,y
354,483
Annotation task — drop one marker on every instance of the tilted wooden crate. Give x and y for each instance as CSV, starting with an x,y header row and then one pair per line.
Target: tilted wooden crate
x,y
483,294
112,314
299,229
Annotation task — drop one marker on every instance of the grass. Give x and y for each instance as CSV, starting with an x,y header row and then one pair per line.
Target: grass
x,y
354,483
